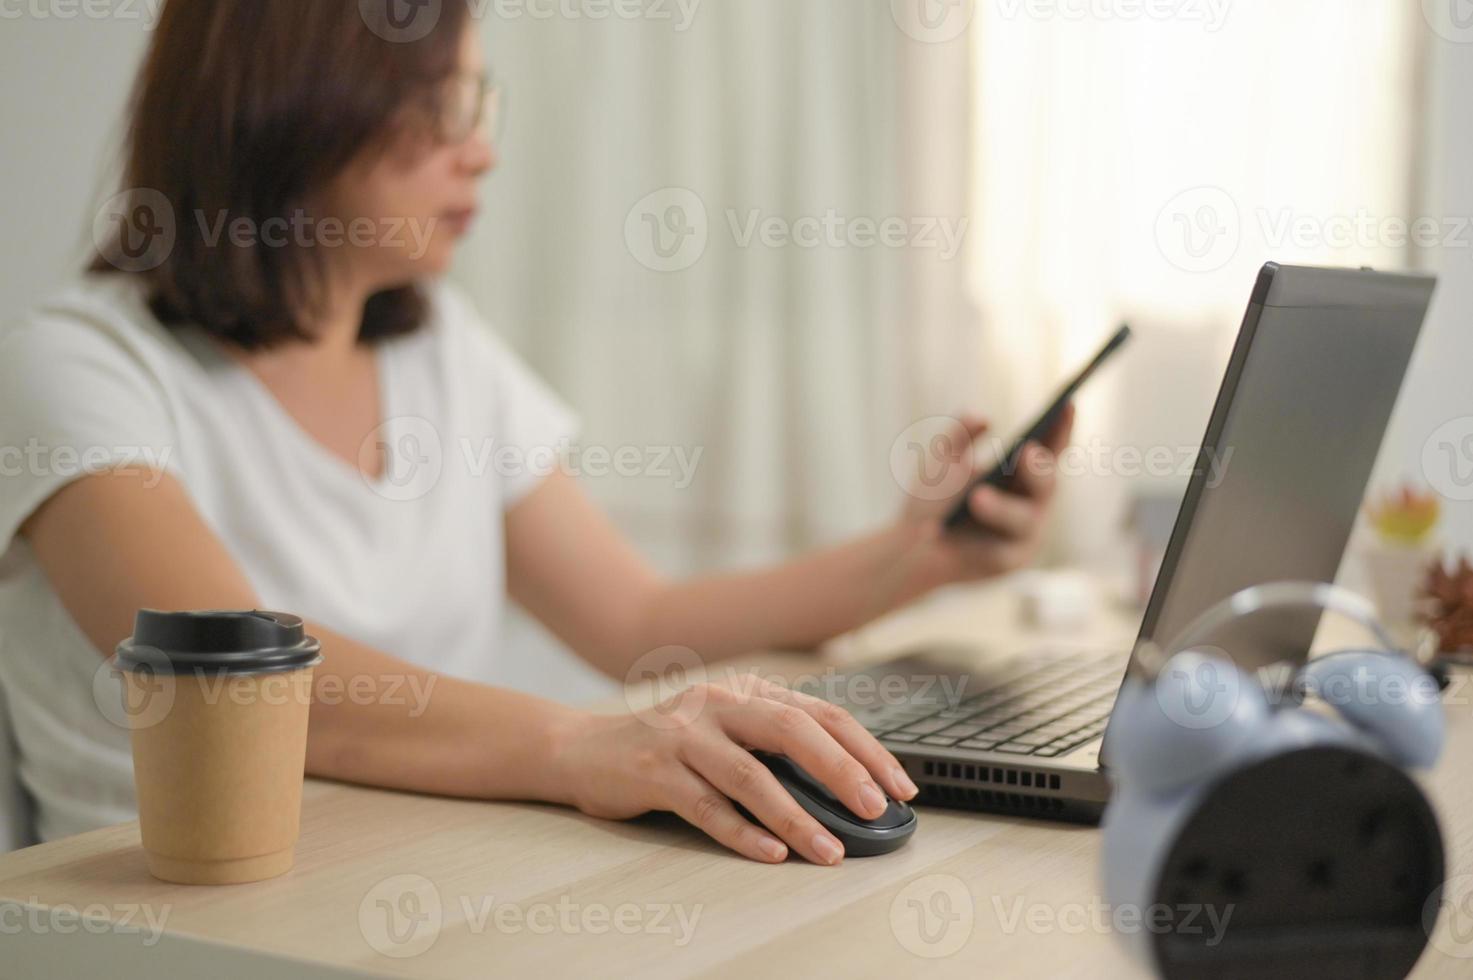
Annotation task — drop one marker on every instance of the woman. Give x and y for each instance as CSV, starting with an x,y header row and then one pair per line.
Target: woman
x,y
214,422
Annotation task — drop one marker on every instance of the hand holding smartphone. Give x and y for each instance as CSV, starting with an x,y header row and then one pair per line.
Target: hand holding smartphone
x,y
1005,472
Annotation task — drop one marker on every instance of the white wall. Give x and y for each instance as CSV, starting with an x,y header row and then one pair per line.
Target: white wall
x,y
63,84
1439,387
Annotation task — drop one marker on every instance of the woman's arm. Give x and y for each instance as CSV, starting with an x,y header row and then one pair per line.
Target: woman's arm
x,y
113,543
571,568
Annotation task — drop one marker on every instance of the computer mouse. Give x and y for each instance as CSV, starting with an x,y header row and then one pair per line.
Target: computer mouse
x,y
860,837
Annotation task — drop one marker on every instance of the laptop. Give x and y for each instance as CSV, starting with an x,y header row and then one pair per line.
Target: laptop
x,y
1298,421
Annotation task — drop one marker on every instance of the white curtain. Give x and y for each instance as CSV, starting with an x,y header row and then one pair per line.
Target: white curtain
x,y
792,349
1140,169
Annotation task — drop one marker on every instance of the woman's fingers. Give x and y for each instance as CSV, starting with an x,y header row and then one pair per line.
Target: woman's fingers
x,y
852,736
704,806
1010,515
790,731
1038,473
1058,437
738,774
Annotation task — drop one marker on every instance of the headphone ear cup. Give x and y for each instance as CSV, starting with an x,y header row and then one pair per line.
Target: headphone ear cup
x,y
1384,695
1192,723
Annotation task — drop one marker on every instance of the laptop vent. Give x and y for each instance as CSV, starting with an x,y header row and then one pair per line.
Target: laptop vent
x,y
965,796
992,799
994,775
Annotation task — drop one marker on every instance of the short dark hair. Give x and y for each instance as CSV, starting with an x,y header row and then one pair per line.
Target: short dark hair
x,y
247,107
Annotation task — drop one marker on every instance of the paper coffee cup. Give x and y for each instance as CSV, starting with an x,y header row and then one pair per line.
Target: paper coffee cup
x,y
217,706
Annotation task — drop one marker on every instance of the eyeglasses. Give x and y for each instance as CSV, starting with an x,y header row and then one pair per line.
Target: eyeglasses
x,y
471,101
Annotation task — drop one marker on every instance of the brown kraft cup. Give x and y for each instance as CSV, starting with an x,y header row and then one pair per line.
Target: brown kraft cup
x,y
217,706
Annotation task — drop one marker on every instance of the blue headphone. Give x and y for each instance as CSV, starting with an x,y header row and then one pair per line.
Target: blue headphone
x,y
1253,833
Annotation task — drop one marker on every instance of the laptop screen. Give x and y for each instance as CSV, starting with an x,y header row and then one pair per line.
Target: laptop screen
x,y
1294,433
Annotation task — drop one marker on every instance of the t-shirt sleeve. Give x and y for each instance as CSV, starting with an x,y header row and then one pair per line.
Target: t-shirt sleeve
x,y
74,401
531,428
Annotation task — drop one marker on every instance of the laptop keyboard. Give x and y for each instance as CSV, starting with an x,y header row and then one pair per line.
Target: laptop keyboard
x,y
1042,712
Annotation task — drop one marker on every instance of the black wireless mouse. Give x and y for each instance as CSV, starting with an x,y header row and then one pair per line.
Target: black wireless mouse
x,y
860,837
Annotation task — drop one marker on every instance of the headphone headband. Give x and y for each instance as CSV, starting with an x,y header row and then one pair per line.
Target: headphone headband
x,y
1149,657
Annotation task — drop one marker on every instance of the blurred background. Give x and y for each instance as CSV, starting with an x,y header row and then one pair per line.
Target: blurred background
x,y
773,238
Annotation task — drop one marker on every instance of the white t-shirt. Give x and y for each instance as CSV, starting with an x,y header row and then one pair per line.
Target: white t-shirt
x,y
411,563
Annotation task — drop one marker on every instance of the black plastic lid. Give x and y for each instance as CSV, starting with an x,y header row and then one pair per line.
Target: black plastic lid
x,y
218,641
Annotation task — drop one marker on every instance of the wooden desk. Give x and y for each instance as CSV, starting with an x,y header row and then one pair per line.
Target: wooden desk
x,y
396,884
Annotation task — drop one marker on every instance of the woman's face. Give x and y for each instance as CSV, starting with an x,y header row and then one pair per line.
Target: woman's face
x,y
412,204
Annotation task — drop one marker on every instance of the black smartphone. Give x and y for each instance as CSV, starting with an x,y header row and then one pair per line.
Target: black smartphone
x,y
1003,474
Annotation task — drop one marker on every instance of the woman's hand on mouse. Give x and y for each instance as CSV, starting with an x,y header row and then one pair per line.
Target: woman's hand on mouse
x,y
692,755
1013,518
